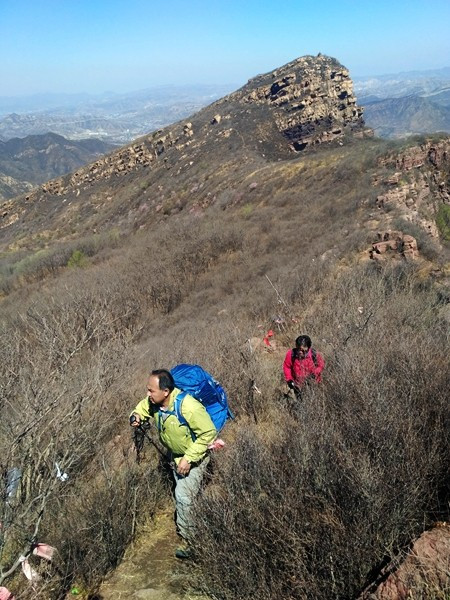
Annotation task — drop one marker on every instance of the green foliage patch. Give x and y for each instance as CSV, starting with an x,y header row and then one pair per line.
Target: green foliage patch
x,y
78,259
443,221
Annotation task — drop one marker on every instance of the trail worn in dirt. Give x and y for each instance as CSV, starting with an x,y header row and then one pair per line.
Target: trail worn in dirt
x,y
149,569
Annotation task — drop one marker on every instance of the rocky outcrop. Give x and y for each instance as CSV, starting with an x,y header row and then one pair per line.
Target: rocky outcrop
x,y
437,153
312,100
424,572
394,244
419,185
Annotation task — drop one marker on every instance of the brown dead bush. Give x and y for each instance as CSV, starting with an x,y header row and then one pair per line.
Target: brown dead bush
x,y
306,500
310,501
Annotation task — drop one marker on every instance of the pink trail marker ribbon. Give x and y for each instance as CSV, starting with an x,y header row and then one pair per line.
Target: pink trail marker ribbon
x,y
44,551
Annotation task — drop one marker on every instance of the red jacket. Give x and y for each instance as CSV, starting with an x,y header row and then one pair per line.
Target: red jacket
x,y
299,370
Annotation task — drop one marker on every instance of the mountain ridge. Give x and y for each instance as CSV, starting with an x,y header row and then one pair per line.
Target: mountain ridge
x,y
275,116
188,246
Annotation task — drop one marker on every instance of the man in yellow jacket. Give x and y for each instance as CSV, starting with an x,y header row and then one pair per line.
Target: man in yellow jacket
x,y
188,443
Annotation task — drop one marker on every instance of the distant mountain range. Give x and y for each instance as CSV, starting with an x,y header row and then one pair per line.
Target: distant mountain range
x,y
27,162
398,117
116,118
403,104
397,85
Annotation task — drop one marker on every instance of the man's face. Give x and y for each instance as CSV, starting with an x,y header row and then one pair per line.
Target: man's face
x,y
156,396
302,351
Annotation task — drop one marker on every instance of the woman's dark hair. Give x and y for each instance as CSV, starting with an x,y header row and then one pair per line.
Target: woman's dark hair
x,y
303,340
165,379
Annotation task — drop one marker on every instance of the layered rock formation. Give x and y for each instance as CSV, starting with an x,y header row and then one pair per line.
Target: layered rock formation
x,y
394,244
303,104
312,100
420,184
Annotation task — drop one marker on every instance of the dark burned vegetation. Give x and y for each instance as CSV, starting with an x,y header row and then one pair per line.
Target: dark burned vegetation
x,y
306,501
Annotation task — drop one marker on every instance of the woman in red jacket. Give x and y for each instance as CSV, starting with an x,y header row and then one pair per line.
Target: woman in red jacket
x,y
302,364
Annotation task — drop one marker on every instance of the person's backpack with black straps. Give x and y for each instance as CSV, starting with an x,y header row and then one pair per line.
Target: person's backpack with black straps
x,y
195,381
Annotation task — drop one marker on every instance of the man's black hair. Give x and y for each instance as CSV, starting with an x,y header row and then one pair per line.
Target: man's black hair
x,y
303,340
165,379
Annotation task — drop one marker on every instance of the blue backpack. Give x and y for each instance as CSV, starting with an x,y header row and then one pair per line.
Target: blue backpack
x,y
197,382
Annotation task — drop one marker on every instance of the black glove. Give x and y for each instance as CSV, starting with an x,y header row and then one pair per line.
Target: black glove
x,y
291,384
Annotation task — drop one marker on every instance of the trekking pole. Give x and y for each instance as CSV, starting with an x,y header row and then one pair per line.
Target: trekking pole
x,y
143,431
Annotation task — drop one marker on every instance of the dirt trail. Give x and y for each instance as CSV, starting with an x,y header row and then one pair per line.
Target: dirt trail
x,y
149,569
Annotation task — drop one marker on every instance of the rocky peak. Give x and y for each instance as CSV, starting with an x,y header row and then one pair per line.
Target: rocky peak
x,y
311,98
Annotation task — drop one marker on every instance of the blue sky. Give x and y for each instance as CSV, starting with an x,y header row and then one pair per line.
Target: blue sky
x,y
124,45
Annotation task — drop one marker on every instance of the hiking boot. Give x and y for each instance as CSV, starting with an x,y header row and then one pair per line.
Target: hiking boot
x,y
183,552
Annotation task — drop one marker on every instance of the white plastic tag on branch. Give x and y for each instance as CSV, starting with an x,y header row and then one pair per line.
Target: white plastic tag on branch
x,y
60,474
28,570
216,445
44,551
14,476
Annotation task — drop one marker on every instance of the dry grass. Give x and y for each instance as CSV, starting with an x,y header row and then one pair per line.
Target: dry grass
x,y
307,500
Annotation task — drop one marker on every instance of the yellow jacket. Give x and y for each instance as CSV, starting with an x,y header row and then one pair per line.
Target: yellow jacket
x,y
176,436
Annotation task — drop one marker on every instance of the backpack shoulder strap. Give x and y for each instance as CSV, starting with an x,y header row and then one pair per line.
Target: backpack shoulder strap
x,y
177,407
294,357
177,412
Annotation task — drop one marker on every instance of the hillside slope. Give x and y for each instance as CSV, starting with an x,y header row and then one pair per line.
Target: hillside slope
x,y
400,117
259,213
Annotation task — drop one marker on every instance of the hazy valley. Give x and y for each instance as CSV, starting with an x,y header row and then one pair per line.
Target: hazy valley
x,y
115,118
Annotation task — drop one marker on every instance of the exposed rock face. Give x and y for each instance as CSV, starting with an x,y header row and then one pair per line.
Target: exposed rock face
x,y
437,153
312,99
394,244
424,573
420,184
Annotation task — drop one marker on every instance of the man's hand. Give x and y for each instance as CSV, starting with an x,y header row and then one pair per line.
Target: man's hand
x,y
135,420
183,467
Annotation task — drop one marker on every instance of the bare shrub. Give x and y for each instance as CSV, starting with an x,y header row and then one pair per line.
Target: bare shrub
x,y
62,361
98,518
310,501
305,500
